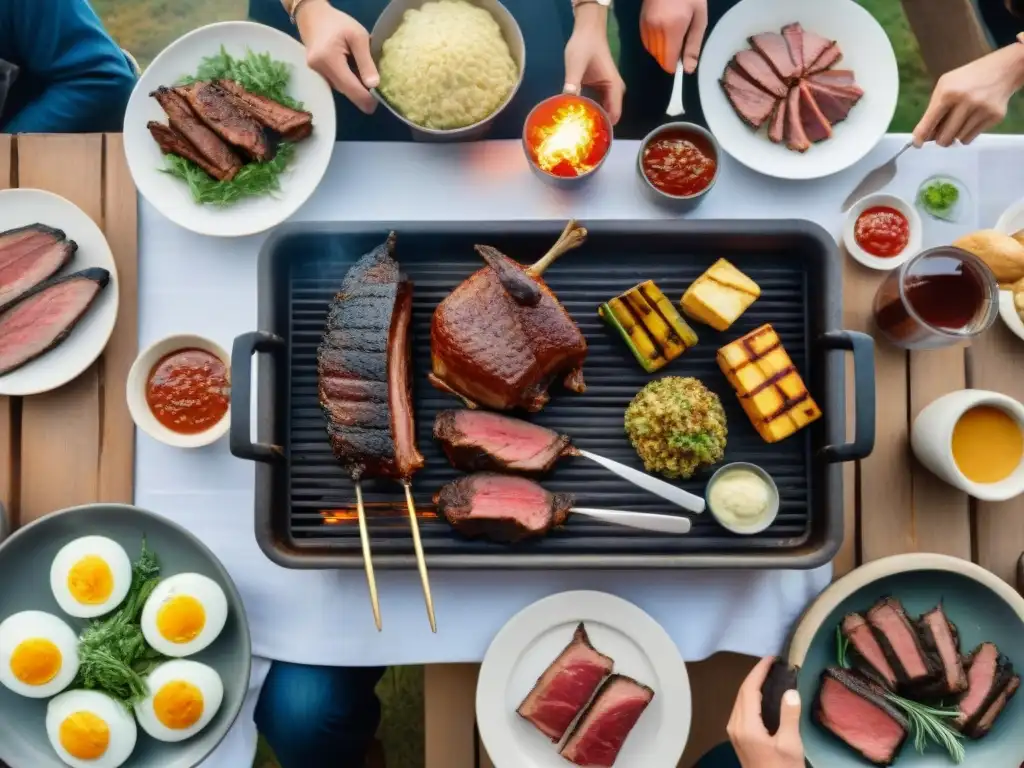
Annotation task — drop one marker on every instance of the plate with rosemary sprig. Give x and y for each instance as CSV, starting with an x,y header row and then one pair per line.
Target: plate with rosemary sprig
x,y
228,131
909,660
123,642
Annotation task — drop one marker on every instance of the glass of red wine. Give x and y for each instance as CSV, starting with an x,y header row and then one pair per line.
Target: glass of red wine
x,y
940,297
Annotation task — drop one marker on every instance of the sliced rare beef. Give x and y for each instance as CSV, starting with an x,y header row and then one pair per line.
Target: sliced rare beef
x,y
206,142
217,109
30,256
290,124
855,711
816,125
753,105
502,508
601,732
794,36
781,678
901,644
984,725
828,59
848,94
834,107
773,47
566,686
44,317
173,143
815,46
796,138
843,77
777,126
942,641
865,653
753,66
480,440
989,675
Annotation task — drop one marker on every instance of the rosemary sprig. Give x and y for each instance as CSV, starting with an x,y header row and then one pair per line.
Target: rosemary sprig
x,y
842,647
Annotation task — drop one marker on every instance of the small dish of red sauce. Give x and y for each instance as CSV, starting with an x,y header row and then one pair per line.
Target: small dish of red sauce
x,y
882,231
179,391
679,161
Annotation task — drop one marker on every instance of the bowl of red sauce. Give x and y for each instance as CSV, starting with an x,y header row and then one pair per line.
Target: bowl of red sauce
x,y
678,164
179,391
566,138
882,231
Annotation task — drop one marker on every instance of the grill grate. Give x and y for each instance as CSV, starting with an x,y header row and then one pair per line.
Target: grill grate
x,y
318,496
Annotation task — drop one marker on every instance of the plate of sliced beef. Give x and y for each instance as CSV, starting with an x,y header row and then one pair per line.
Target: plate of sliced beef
x,y
583,678
798,89
58,291
922,628
246,162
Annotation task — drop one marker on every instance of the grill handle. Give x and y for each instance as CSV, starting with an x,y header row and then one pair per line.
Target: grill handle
x,y
863,348
245,346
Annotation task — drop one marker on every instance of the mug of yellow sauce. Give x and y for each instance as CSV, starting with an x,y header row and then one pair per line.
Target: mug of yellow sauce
x,y
974,440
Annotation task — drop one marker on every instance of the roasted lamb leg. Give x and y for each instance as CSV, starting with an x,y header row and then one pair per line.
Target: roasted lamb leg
x,y
501,337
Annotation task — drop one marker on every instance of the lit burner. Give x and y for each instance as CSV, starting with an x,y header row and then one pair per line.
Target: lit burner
x,y
567,136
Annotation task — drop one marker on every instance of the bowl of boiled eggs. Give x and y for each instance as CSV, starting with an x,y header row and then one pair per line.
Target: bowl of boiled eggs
x,y
110,581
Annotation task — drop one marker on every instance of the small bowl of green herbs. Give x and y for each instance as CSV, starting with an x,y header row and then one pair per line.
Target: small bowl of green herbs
x,y
941,197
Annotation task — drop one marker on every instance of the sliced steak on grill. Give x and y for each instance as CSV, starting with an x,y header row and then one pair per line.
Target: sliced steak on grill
x,y
29,256
989,675
773,47
896,635
479,440
566,686
942,642
363,369
865,653
752,104
502,508
855,712
794,37
753,66
600,734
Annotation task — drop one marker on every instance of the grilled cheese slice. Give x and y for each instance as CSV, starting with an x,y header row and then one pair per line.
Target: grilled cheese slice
x,y
720,295
769,387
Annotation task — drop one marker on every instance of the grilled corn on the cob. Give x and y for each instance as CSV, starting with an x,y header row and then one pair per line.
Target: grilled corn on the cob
x,y
652,328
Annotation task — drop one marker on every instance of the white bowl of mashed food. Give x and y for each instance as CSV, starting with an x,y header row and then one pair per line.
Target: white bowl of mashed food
x,y
447,67
743,498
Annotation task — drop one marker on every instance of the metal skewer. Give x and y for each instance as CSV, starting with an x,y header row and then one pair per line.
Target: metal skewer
x,y
421,562
364,537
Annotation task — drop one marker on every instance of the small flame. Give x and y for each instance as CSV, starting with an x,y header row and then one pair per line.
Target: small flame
x,y
336,517
568,141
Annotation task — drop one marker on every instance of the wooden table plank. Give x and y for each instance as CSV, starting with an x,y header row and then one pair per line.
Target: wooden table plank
x,y
9,408
449,714
60,446
994,362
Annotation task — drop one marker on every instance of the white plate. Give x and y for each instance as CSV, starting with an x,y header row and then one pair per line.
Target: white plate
x,y
19,207
866,50
170,195
1010,222
1009,313
535,636
1012,219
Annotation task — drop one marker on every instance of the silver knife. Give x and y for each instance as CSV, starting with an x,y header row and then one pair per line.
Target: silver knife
x,y
876,179
643,520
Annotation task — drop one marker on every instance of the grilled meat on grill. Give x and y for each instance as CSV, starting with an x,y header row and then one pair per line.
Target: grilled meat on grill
x,y
502,508
865,653
29,256
942,641
600,734
291,124
495,350
479,440
364,370
856,712
566,686
216,108
44,316
173,143
206,142
914,668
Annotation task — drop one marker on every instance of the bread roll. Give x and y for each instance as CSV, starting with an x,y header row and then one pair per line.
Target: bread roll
x,y
1018,298
1002,253
1019,236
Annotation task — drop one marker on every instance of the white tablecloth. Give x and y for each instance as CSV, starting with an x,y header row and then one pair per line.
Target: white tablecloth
x,y
208,285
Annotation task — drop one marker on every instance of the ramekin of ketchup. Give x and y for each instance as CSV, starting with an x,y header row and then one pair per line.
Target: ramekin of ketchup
x,y
882,231
678,164
179,391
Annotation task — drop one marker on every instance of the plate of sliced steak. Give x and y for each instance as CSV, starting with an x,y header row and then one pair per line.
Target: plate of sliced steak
x,y
583,678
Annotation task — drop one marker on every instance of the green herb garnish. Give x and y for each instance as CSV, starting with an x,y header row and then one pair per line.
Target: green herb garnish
x,y
260,74
113,654
939,198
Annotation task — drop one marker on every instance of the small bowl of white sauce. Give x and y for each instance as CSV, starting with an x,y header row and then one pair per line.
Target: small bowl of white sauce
x,y
743,498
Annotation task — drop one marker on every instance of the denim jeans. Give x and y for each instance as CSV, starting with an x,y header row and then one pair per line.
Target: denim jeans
x,y
319,717
722,756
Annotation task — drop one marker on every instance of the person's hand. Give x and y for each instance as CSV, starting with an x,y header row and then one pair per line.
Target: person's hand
x,y
674,29
972,98
754,746
588,60
332,38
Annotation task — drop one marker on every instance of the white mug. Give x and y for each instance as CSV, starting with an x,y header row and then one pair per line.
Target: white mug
x,y
931,437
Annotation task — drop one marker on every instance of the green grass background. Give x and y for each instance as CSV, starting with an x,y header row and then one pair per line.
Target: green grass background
x,y
145,27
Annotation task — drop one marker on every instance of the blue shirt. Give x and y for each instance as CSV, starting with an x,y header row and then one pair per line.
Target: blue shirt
x,y
73,78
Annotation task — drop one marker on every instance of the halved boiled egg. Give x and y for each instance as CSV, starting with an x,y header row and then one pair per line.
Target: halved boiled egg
x,y
90,576
38,654
183,698
88,729
184,614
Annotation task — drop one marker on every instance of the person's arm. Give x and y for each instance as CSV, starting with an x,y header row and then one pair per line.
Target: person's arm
x,y
86,79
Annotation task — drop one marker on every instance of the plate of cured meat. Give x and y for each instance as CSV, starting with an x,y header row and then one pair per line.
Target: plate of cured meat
x,y
583,678
913,660
798,90
228,131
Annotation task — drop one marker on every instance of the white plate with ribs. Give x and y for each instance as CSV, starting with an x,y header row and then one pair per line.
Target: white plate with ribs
x,y
843,113
583,678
